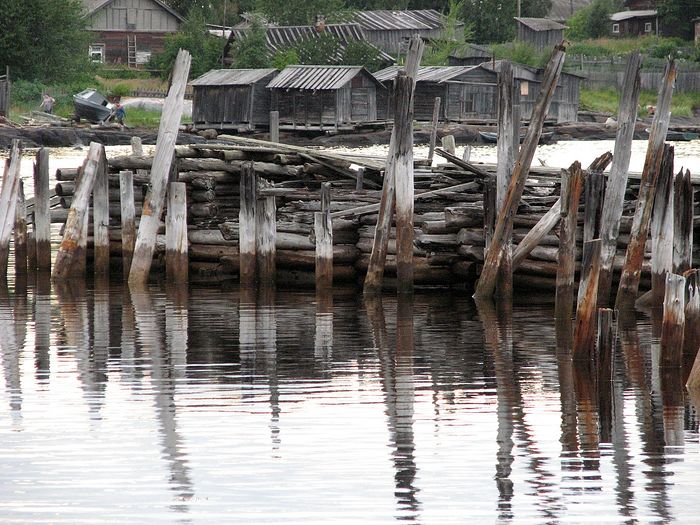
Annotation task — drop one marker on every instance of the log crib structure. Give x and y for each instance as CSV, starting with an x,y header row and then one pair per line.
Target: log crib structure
x,y
267,213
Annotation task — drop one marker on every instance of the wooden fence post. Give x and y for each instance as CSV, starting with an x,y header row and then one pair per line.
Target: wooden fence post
x,y
176,249
487,282
128,219
584,332
162,160
246,224
673,322
617,181
71,254
433,130
8,204
265,238
323,231
21,232
572,185
100,218
42,214
274,126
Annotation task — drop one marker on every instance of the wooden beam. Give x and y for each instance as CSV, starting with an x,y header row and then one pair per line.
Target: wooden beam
x,y
433,129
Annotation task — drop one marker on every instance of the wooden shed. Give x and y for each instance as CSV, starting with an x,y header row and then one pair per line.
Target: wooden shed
x,y
469,55
128,31
542,33
324,97
232,99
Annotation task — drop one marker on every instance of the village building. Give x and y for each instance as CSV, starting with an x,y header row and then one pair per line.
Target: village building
x,y
391,30
233,99
324,97
128,31
562,10
627,24
541,33
469,55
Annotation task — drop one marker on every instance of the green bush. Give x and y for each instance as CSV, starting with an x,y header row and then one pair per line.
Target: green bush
x,y
120,90
521,53
285,57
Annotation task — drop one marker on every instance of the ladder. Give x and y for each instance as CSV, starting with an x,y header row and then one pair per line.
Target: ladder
x,y
131,49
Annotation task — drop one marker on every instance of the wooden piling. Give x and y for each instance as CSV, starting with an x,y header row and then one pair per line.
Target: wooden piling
x,y
323,231
360,179
155,198
8,204
265,238
632,269
136,146
487,281
433,130
656,152
585,330
449,145
100,218
572,185
662,225
20,233
490,212
691,334
176,249
605,347
246,223
694,377
682,223
594,193
128,219
673,322
617,181
42,214
274,126
71,253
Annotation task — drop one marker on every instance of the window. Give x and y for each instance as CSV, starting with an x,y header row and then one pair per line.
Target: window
x,y
616,29
97,53
524,88
647,27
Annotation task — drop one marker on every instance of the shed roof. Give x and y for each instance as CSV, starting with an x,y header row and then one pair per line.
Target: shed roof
x,y
232,77
471,51
626,15
540,24
425,73
280,37
385,20
317,77
91,6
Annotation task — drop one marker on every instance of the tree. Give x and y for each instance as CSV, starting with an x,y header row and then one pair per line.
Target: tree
x,y
677,15
251,51
322,50
43,39
493,20
360,53
205,48
439,50
593,21
299,12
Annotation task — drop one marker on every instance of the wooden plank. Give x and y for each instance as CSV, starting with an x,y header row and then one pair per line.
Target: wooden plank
x,y
100,218
323,231
274,126
176,249
265,238
585,330
246,224
683,223
673,323
8,204
433,130
42,214
662,222
20,232
128,219
594,190
165,148
572,185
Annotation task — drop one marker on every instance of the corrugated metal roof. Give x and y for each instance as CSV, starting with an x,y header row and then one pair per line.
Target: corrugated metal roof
x,y
425,73
383,20
626,15
563,9
232,77
288,36
316,77
540,24
90,6
471,51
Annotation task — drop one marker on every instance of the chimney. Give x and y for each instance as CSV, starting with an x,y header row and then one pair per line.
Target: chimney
x,y
320,23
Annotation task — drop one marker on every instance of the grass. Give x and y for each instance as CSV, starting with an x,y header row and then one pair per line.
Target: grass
x,y
608,100
654,47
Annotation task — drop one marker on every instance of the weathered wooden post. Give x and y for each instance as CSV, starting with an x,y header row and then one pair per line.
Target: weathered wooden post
x,y
584,332
605,347
31,251
399,170
71,254
448,144
691,334
21,232
165,147
490,212
673,322
656,153
128,219
246,223
487,281
662,226
359,181
176,249
42,214
466,153
682,223
694,377
136,146
323,230
433,130
8,204
100,218
617,181
265,238
594,192
274,126
505,155
632,269
572,185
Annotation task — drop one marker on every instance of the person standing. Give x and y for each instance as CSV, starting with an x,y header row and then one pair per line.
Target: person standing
x,y
47,103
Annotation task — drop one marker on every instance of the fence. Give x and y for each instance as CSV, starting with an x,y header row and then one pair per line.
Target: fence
x,y
158,93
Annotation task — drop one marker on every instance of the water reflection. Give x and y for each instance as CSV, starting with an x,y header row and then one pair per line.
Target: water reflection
x,y
210,405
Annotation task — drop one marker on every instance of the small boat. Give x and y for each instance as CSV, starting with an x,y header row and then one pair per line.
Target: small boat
x,y
489,136
679,136
91,105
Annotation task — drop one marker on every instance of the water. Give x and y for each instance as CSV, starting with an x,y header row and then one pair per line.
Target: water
x,y
215,405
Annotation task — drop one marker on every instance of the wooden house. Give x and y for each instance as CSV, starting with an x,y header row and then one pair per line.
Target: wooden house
x,y
128,31
324,97
469,55
627,24
542,33
232,99
390,31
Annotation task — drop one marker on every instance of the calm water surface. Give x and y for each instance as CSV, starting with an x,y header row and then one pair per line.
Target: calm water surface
x,y
214,405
